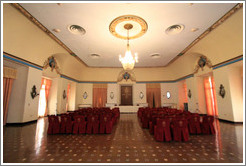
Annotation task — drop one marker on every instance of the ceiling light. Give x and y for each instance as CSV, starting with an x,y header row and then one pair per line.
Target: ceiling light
x,y
128,27
128,61
174,29
95,56
154,56
76,29
194,29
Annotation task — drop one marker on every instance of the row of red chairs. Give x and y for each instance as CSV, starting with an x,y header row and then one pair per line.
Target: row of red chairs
x,y
171,124
81,122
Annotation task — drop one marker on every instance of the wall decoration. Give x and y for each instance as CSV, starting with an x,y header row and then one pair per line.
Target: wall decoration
x,y
111,95
202,62
141,95
51,62
189,93
85,95
222,91
168,95
34,92
126,75
64,94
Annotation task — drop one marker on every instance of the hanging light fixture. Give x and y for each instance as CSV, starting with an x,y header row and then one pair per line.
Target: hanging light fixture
x,y
129,60
119,26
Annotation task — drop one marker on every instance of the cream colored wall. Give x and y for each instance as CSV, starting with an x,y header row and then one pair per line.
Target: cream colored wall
x,y
173,89
201,96
80,89
137,88
17,97
31,105
225,109
112,88
193,101
52,101
72,96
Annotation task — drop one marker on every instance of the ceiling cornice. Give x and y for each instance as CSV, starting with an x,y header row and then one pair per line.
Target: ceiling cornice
x,y
215,25
43,28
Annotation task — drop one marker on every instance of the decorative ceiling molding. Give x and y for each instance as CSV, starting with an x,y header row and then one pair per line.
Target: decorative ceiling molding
x,y
42,27
215,25
117,28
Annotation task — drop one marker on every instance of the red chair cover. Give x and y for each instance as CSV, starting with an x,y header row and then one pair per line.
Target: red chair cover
x,y
195,125
180,130
106,124
92,124
66,124
54,125
79,126
207,125
162,130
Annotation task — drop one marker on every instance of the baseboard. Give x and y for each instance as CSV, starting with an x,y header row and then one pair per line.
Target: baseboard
x,y
21,124
228,121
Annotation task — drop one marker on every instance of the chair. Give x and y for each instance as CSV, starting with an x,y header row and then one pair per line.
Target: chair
x,y
207,125
152,123
92,124
145,120
54,125
194,125
79,126
162,130
106,124
66,124
180,130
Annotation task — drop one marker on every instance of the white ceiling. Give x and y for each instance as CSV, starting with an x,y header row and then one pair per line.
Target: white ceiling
x,y
95,18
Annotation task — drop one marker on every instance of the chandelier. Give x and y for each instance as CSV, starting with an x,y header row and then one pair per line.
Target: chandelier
x,y
128,61
119,26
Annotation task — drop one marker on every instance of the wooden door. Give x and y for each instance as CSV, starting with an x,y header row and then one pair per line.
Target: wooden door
x,y
126,95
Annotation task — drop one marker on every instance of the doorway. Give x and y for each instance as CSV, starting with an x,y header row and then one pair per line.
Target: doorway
x,y
126,95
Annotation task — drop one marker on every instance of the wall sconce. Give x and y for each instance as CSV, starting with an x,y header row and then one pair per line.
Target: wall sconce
x,y
222,91
111,95
85,95
64,94
141,95
34,92
189,93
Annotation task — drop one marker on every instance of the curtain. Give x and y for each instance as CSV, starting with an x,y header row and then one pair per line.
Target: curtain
x,y
183,98
153,92
210,97
99,95
7,87
47,84
9,74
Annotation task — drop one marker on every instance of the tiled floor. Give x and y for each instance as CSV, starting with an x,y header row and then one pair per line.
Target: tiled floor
x,y
128,143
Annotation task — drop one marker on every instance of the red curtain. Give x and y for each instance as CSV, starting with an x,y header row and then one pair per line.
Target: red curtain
x,y
99,95
210,96
7,87
153,92
47,84
182,95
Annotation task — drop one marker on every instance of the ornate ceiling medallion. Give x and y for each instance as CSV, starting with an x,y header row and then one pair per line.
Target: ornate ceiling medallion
x,y
139,26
